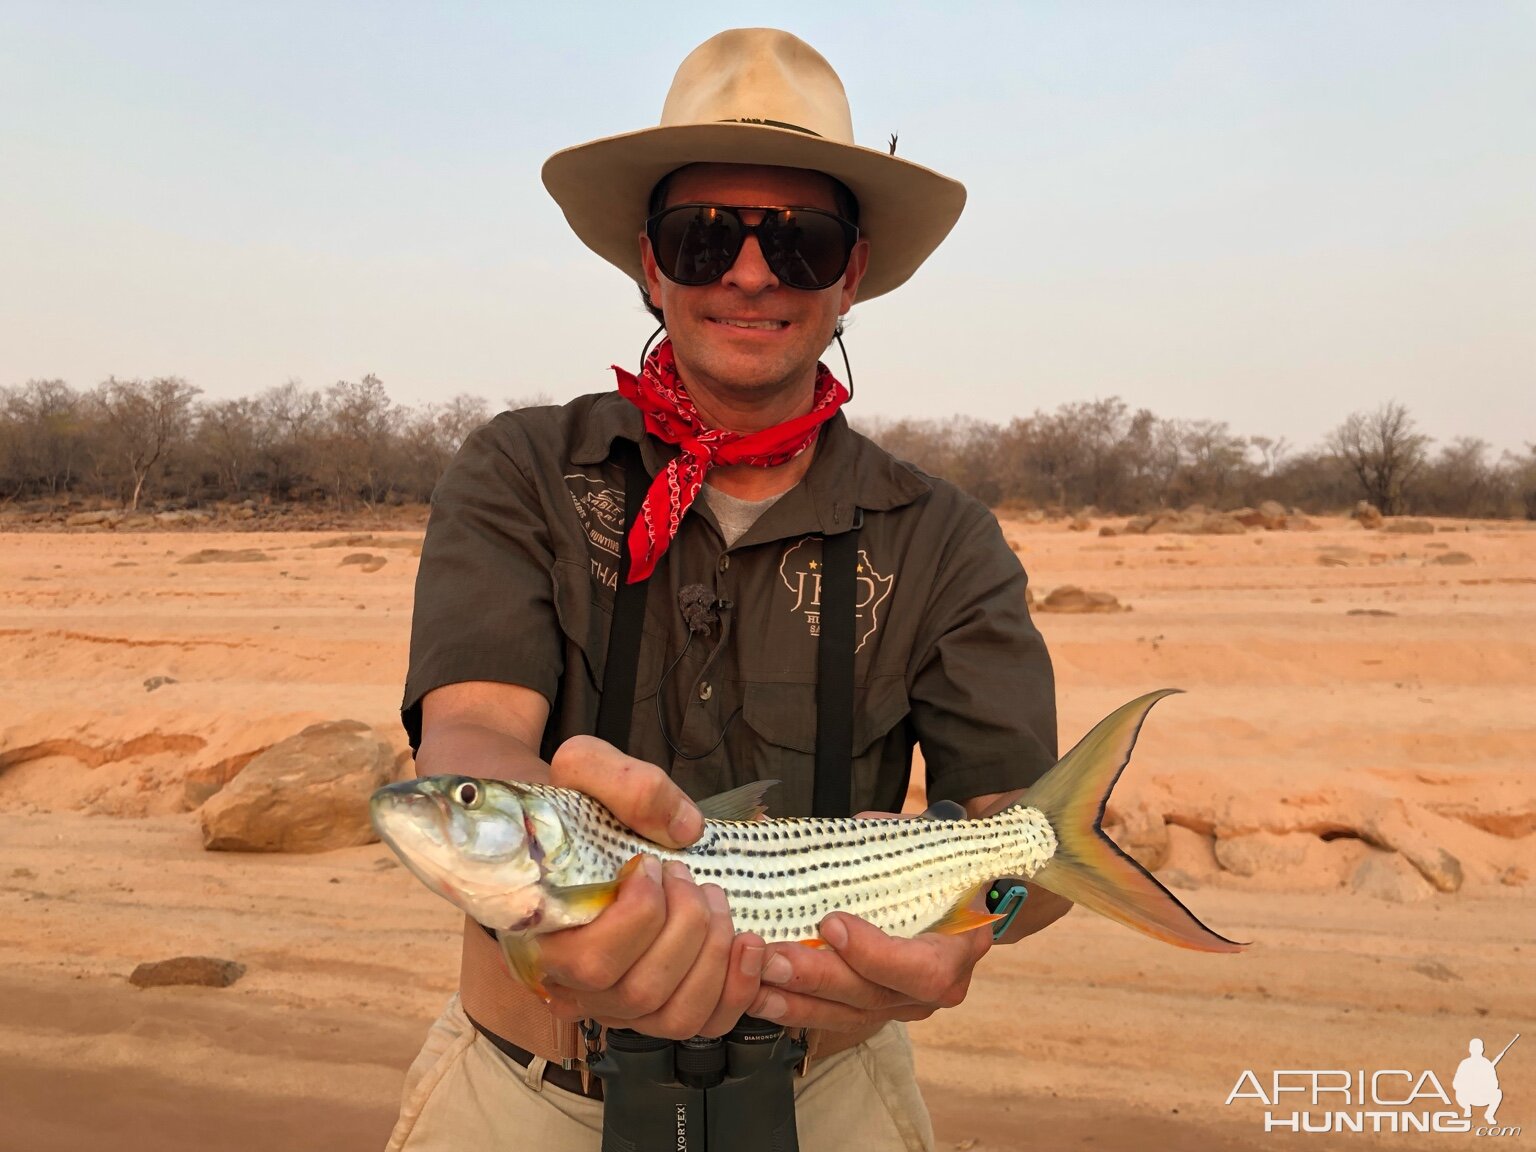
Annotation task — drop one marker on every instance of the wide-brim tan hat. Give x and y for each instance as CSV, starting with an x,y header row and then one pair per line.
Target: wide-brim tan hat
x,y
755,96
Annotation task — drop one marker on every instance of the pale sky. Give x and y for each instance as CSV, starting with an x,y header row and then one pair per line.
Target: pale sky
x,y
1270,214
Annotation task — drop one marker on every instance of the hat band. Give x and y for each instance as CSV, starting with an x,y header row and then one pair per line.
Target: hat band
x,y
770,124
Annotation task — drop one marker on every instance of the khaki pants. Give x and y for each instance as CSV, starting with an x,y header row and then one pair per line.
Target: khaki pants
x,y
463,1095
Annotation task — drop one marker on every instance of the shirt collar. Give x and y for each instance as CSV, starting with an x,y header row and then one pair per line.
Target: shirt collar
x,y
849,471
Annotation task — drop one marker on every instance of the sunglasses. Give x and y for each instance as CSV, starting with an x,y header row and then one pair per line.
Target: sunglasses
x,y
805,248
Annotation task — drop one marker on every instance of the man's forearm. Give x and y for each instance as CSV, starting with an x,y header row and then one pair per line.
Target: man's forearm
x,y
462,747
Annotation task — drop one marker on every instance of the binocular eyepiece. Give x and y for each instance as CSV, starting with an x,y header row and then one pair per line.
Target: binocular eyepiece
x,y
723,1092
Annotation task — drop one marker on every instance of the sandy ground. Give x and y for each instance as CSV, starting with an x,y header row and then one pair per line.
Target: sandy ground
x,y
1087,1036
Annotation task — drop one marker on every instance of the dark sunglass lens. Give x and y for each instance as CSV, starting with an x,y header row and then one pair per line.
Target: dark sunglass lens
x,y
806,249
696,245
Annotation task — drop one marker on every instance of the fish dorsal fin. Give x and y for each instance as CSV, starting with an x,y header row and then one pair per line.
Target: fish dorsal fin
x,y
962,918
946,810
744,803
522,955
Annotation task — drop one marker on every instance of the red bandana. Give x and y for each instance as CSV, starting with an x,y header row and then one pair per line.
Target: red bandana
x,y
670,415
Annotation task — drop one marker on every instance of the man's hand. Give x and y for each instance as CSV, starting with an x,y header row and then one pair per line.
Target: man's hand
x,y
865,976
663,958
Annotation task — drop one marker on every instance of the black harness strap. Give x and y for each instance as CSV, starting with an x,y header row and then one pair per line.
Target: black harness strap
x,y
833,786
832,793
623,662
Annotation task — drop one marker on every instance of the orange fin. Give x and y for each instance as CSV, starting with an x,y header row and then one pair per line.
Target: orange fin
x,y
522,956
962,917
815,942
1088,867
585,901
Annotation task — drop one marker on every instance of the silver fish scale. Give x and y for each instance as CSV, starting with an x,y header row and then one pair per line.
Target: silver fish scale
x,y
782,876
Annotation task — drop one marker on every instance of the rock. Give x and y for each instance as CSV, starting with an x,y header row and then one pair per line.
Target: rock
x,y
1395,827
1295,522
1387,876
202,783
1272,515
1367,514
1453,558
1369,612
1220,524
308,793
1069,598
1264,853
159,682
88,519
1190,859
365,560
1416,527
1141,834
1080,523
224,556
205,971
1107,530
1137,525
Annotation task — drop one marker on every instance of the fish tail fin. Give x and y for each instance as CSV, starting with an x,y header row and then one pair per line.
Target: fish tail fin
x,y
1088,867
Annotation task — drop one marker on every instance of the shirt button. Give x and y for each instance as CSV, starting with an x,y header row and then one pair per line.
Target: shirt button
x,y
706,690
725,562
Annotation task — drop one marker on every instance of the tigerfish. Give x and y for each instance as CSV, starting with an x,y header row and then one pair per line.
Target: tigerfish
x,y
524,858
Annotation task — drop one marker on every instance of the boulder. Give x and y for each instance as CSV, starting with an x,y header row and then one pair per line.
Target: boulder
x,y
206,971
1453,558
1069,598
1272,515
1367,514
1141,835
1219,524
308,793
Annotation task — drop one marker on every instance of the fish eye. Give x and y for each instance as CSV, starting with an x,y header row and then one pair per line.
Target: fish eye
x,y
467,793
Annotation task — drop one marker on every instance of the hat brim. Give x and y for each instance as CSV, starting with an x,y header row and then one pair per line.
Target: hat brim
x,y
905,210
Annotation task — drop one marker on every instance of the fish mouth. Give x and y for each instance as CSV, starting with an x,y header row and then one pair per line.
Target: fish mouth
x,y
405,799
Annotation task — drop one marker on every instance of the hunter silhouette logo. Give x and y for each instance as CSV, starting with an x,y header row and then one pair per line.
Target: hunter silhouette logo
x,y
1384,1100
1476,1083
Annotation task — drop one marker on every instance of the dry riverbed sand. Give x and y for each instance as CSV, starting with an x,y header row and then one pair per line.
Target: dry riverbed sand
x,y
1343,687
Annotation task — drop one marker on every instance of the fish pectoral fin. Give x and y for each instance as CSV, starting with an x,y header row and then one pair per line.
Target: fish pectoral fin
x,y
522,956
962,917
744,803
945,810
814,942
584,901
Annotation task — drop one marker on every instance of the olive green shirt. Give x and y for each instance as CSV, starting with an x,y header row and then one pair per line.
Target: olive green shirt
x,y
518,577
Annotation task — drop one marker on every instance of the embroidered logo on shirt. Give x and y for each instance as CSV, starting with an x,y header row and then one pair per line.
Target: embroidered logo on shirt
x,y
601,511
800,572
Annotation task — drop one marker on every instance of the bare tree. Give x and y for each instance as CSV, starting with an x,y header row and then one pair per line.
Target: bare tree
x,y
1383,451
361,422
46,434
143,421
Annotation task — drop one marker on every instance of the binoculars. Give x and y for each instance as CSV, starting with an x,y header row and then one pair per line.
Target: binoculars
x,y
731,1092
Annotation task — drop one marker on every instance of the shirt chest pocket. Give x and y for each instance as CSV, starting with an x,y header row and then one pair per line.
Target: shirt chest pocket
x,y
782,717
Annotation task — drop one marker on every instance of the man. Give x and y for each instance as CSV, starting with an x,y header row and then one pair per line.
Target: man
x,y
752,223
